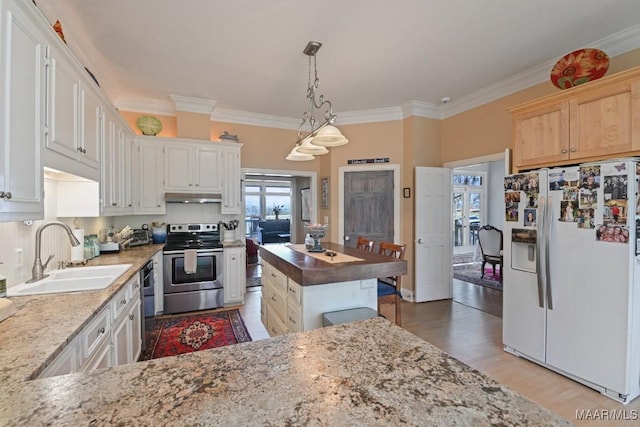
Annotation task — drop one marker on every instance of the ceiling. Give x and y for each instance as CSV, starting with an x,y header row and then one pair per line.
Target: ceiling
x,y
378,57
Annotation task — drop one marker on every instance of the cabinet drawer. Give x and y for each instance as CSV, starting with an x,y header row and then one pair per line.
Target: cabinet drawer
x,y
294,291
263,311
277,304
294,317
94,333
120,301
275,326
276,278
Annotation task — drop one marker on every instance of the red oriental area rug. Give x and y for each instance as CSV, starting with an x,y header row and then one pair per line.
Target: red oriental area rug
x,y
186,334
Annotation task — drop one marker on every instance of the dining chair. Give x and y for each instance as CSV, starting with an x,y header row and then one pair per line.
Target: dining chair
x,y
365,244
389,288
490,241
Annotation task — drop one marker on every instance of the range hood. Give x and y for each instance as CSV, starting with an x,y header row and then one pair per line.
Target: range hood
x,y
192,198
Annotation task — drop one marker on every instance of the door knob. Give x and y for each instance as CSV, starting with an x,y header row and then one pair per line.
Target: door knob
x,y
347,238
419,241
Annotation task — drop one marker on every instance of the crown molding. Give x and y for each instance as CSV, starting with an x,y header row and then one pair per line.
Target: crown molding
x,y
369,116
254,119
421,109
145,105
193,105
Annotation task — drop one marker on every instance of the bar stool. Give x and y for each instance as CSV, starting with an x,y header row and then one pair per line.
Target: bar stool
x,y
389,288
365,244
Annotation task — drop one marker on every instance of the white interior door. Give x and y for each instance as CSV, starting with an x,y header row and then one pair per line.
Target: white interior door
x,y
433,271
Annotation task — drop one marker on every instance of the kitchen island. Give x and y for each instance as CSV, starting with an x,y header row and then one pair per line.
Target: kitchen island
x,y
299,286
366,373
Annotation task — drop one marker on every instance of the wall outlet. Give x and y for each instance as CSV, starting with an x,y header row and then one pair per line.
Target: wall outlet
x,y
18,260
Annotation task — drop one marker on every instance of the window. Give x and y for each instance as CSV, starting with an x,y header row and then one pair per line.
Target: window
x,y
264,198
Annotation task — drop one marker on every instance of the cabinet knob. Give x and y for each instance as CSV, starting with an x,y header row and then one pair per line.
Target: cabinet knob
x,y
573,150
563,151
2,193
114,204
7,195
124,301
157,206
131,317
101,331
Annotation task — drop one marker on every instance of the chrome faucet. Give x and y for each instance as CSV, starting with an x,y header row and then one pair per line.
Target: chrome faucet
x,y
37,271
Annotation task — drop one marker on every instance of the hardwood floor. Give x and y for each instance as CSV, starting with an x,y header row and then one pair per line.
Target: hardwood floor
x,y
478,297
475,337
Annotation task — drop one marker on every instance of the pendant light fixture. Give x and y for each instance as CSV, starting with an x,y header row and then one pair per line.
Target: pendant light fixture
x,y
321,136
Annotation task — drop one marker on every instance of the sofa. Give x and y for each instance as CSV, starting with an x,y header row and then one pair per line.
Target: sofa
x,y
268,231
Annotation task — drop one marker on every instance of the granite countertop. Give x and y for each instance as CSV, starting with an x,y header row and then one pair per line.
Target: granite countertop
x,y
307,270
44,324
369,373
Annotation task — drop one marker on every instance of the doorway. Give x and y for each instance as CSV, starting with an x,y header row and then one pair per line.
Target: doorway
x,y
477,200
469,208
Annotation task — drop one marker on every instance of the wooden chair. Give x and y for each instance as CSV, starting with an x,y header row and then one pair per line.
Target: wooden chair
x,y
365,244
490,240
389,288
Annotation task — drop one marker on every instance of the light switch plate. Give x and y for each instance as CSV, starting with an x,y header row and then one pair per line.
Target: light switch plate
x,y
19,258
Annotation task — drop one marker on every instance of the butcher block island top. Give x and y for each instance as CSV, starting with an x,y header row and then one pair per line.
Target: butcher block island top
x,y
306,269
365,373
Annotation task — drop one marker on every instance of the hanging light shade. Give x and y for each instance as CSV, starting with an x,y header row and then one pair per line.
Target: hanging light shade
x,y
297,156
320,135
329,136
306,147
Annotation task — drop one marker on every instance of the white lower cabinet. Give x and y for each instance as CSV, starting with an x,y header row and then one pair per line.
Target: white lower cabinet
x,y
113,337
235,275
101,359
65,363
126,336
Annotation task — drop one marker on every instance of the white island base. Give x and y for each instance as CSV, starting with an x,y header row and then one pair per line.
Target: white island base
x,y
287,306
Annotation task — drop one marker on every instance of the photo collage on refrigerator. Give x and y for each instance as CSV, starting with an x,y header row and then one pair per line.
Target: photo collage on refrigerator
x,y
513,185
581,191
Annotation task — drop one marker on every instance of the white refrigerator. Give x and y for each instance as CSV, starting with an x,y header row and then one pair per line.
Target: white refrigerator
x,y
571,299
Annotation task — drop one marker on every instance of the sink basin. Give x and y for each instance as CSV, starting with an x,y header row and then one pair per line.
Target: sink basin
x,y
72,280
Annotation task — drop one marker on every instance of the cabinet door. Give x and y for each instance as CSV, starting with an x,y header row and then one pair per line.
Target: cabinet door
x,y
158,277
149,187
208,169
21,75
542,136
134,318
605,122
235,279
231,185
179,168
65,363
126,156
103,358
110,176
120,337
63,96
91,129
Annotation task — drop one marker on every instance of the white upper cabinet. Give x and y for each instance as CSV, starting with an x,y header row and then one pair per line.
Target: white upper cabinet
x,y
75,114
148,175
21,75
231,181
115,180
193,168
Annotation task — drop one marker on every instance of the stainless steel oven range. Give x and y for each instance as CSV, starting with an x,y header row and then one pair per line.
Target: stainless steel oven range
x,y
193,276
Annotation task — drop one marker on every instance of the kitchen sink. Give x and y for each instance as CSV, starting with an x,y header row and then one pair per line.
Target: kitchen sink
x,y
72,280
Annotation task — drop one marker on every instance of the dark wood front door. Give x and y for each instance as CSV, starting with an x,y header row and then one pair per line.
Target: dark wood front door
x,y
368,206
